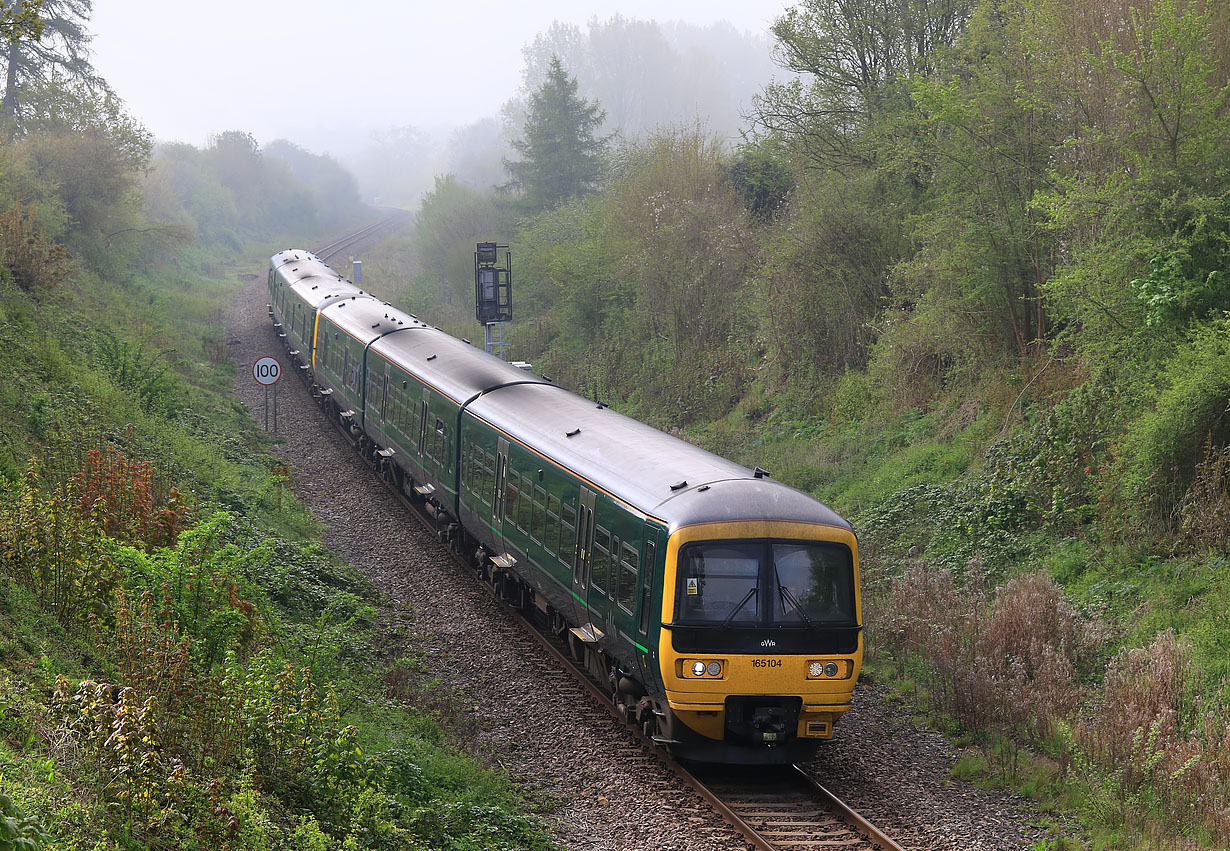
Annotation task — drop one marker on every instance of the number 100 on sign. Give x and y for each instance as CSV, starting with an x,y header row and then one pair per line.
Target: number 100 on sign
x,y
267,371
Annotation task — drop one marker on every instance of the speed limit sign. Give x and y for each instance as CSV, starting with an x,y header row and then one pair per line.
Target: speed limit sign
x,y
267,371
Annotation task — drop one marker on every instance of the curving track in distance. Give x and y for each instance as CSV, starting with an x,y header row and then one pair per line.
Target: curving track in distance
x,y
338,246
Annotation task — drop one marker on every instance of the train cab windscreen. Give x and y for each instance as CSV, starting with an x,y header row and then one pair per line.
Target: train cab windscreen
x,y
784,586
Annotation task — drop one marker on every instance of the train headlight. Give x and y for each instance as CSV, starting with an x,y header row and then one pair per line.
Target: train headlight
x,y
708,669
826,669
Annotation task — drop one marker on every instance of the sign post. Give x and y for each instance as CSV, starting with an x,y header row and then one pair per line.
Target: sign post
x,y
267,371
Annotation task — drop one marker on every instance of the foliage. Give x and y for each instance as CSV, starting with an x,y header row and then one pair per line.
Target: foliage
x,y
335,192
820,320
1157,457
232,187
853,56
761,171
1009,664
18,831
451,219
34,261
561,157
210,725
22,20
62,45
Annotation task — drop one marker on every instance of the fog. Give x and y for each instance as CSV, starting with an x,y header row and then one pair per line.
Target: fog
x,y
329,75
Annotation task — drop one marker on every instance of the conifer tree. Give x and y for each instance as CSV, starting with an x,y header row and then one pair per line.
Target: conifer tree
x,y
60,48
561,157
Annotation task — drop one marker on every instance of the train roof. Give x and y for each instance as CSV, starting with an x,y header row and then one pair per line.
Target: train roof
x,y
367,318
656,473
314,282
652,471
452,366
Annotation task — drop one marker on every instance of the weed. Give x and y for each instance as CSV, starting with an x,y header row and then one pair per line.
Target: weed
x,y
35,262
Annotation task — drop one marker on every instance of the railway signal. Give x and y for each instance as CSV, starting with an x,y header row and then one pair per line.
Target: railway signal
x,y
493,293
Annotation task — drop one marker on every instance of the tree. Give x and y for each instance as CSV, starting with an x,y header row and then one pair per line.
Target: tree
x,y
561,156
335,190
854,56
63,47
21,20
451,219
648,75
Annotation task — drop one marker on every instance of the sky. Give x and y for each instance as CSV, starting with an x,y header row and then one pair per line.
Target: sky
x,y
324,73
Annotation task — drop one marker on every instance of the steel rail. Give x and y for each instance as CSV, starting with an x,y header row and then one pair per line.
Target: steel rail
x,y
869,830
330,249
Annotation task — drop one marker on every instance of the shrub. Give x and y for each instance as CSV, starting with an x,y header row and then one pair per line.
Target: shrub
x,y
296,735
1006,665
1204,512
117,726
34,261
1159,453
1151,746
18,831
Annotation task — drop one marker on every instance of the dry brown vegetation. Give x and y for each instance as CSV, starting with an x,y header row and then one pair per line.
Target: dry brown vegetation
x,y
1013,667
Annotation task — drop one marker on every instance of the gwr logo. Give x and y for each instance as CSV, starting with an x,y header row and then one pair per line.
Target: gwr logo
x,y
768,642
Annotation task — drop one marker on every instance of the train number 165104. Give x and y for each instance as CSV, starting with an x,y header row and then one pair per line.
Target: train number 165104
x,y
766,663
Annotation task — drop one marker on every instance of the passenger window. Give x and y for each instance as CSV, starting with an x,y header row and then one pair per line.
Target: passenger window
x,y
527,505
512,496
601,559
552,542
486,483
540,500
627,578
467,470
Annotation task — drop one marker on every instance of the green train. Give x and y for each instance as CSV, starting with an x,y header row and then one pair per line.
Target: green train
x,y
721,607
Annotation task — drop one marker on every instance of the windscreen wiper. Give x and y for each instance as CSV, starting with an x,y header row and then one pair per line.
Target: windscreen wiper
x,y
751,592
788,597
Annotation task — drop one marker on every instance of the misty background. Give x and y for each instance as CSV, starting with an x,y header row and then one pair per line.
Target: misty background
x,y
400,95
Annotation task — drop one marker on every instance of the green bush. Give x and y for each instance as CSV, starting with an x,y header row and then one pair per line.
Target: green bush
x,y
18,831
1158,455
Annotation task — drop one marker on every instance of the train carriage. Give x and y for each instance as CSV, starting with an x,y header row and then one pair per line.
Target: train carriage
x,y
300,284
721,607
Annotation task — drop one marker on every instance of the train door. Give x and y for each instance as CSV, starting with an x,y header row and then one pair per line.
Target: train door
x,y
647,618
497,498
423,422
384,401
583,556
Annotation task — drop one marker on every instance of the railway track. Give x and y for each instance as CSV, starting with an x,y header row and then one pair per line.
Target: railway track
x,y
780,809
338,246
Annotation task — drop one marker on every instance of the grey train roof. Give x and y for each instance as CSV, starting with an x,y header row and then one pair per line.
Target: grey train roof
x,y
658,474
652,471
314,281
633,461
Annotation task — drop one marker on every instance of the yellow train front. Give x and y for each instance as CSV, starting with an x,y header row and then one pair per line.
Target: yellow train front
x,y
761,645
